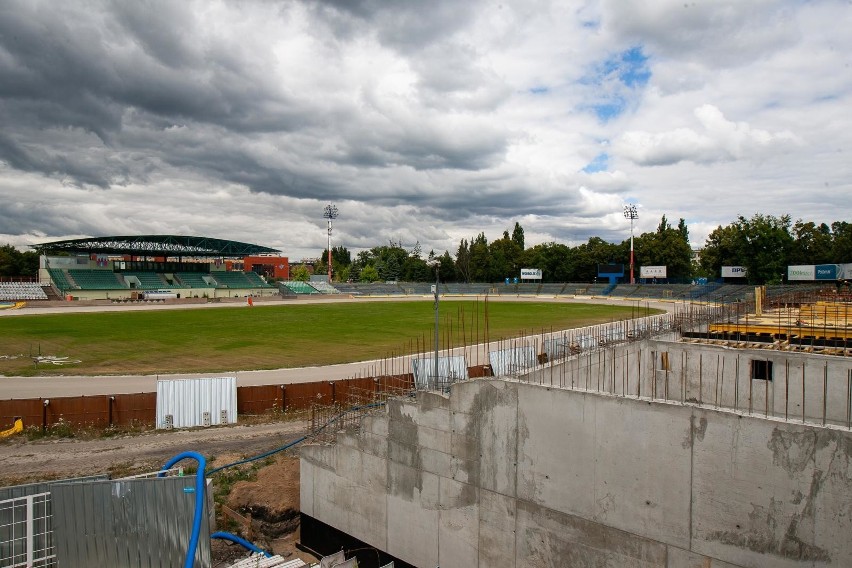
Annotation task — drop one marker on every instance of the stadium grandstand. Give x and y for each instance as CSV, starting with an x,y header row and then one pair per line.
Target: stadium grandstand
x,y
129,267
185,267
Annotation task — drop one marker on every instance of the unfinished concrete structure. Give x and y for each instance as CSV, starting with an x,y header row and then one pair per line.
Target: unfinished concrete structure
x,y
653,452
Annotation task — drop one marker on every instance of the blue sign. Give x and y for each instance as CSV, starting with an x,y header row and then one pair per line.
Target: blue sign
x,y
507,281
825,272
516,279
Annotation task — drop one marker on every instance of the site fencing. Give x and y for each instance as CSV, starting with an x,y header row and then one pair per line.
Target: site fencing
x,y
130,410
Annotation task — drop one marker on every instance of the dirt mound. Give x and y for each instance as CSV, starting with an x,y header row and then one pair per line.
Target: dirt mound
x,y
272,504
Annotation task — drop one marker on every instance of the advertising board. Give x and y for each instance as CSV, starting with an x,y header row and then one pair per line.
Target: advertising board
x,y
734,272
801,272
530,273
827,272
652,272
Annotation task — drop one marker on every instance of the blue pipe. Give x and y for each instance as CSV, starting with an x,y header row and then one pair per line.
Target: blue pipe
x,y
199,500
241,541
298,440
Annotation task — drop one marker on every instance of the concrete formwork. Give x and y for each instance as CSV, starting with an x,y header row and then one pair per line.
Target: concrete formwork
x,y
508,473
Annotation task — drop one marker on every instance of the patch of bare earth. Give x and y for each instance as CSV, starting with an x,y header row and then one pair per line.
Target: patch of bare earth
x,y
269,507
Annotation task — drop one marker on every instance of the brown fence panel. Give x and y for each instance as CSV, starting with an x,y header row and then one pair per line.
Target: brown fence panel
x,y
79,410
30,411
259,399
301,396
479,371
134,409
348,392
395,383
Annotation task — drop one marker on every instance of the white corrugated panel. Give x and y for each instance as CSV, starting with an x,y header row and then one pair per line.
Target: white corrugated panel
x,y
512,361
450,370
185,403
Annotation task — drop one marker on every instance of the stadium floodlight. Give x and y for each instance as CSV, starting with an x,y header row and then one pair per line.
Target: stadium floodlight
x,y
631,213
330,213
436,264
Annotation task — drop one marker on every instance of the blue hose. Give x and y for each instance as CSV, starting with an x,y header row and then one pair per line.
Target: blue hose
x,y
200,481
298,440
241,541
199,500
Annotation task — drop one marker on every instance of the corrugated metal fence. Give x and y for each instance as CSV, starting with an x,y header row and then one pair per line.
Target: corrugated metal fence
x,y
140,409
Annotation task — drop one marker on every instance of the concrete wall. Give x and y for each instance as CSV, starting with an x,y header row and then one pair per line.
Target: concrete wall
x,y
806,387
506,473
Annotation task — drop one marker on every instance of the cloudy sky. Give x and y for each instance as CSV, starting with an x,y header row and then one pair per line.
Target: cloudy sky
x,y
422,121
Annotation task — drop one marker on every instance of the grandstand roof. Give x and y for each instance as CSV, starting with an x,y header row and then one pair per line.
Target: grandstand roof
x,y
155,245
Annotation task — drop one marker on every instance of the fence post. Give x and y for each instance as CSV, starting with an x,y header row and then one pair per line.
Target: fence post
x,y
283,398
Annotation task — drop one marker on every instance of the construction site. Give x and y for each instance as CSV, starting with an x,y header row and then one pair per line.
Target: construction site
x,y
713,435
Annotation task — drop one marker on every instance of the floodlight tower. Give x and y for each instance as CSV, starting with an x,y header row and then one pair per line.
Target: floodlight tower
x,y
436,264
330,213
631,213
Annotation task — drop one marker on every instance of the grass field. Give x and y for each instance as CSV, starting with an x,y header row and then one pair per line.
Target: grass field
x,y
269,337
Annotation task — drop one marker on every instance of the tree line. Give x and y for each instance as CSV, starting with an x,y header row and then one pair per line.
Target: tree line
x,y
764,244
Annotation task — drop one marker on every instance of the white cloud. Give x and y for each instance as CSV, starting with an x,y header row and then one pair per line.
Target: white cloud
x,y
721,140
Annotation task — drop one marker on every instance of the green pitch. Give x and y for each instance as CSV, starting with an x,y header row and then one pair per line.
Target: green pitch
x,y
271,337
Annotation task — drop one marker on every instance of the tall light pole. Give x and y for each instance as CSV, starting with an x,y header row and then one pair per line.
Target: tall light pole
x,y
330,213
436,264
631,213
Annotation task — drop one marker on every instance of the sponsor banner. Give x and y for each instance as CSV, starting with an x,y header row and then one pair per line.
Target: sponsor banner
x,y
734,272
652,272
530,274
827,271
801,272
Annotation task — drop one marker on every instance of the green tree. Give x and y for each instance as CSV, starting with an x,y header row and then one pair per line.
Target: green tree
x,y
596,251
9,258
667,247
720,249
480,261
761,244
462,263
503,256
841,242
518,235
812,243
555,260
369,274
300,273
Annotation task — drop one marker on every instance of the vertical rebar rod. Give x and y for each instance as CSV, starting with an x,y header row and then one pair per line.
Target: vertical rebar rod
x,y
803,392
824,392
786,389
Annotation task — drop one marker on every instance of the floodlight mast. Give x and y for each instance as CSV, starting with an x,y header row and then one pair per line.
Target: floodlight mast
x,y
631,213
330,213
436,264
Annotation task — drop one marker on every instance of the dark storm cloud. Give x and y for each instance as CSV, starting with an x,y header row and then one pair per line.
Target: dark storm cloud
x,y
398,23
126,71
